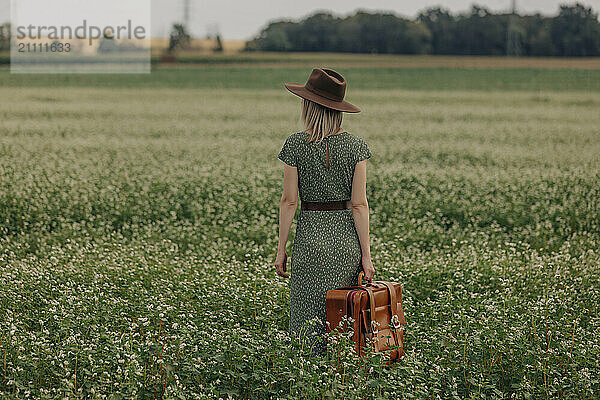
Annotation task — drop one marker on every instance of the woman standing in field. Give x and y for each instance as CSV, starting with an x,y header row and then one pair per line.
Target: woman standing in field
x,y
327,166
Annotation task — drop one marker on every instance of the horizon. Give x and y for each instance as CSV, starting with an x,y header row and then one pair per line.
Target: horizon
x,y
250,19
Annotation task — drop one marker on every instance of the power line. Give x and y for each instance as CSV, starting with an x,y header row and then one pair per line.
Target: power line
x,y
513,35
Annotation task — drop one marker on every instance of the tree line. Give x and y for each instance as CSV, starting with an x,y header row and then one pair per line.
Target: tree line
x,y
574,31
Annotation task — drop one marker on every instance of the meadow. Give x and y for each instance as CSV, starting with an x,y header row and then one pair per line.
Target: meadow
x,y
139,215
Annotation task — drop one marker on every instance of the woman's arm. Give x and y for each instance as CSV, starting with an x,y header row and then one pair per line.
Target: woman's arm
x,y
360,213
287,210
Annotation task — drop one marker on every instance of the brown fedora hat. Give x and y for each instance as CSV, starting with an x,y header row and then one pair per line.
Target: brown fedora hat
x,y
325,87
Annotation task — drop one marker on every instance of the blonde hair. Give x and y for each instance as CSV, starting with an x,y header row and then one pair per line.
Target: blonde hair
x,y
320,120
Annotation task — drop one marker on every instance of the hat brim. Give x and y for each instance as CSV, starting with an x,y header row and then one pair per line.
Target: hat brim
x,y
300,90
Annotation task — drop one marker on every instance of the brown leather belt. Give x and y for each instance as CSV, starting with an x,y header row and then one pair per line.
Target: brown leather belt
x,y
325,205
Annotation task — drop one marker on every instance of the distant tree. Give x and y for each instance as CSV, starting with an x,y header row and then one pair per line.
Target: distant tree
x,y
481,33
179,38
272,38
349,34
442,26
362,32
576,31
5,36
416,39
366,32
371,36
537,40
316,33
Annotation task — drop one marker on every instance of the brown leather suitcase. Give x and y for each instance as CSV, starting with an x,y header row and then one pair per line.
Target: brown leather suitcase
x,y
376,312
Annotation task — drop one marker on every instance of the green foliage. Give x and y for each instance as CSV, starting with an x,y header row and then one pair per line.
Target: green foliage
x,y
272,77
480,33
138,227
574,32
273,37
537,40
178,38
5,36
362,32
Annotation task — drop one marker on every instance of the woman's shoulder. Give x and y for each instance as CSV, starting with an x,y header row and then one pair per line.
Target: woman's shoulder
x,y
360,148
296,135
296,138
356,140
300,137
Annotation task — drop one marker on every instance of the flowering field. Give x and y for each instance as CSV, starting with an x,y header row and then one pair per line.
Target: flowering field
x,y
138,226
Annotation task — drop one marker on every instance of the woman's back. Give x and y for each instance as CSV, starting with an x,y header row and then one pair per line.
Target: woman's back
x,y
322,177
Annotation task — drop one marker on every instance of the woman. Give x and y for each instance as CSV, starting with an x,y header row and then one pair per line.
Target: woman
x,y
326,165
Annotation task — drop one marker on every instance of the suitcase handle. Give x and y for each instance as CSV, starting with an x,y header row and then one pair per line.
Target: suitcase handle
x,y
361,274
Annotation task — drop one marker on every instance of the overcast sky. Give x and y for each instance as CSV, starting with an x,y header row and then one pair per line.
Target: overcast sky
x,y
243,19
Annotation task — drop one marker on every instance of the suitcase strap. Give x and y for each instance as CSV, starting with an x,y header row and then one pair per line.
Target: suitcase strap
x,y
396,319
356,322
372,302
394,305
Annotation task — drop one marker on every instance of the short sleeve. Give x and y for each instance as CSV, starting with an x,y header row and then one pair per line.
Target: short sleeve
x,y
363,151
287,154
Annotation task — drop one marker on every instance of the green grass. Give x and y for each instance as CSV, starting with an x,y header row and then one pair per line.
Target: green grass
x,y
138,220
236,77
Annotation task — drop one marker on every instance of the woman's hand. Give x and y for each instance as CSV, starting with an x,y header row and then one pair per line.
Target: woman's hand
x,y
368,268
280,264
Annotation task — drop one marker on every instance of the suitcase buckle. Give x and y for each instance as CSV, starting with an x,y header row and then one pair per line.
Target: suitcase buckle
x,y
395,321
374,325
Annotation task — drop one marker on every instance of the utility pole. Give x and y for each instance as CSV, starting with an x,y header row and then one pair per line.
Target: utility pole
x,y
186,14
513,36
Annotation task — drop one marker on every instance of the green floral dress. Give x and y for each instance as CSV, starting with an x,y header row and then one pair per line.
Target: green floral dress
x,y
326,253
